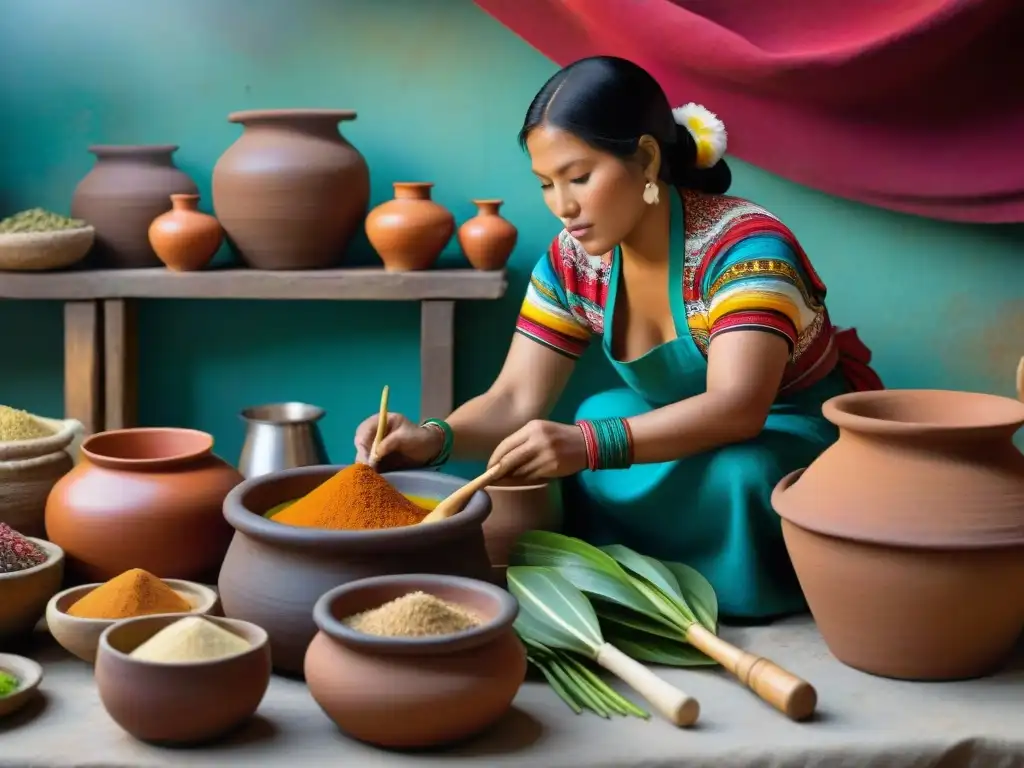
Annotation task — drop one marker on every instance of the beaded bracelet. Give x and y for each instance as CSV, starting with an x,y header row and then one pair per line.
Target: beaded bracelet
x,y
446,447
609,443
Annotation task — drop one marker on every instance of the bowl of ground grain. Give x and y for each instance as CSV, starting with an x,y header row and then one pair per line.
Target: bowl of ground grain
x,y
180,681
31,571
415,661
78,616
19,679
36,240
274,571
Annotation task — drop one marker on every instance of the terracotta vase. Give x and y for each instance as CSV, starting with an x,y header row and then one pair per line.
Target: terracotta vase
x,y
273,574
516,509
410,231
389,691
127,188
184,238
907,534
291,191
487,239
143,498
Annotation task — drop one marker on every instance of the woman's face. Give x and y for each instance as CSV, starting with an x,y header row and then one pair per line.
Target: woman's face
x,y
597,196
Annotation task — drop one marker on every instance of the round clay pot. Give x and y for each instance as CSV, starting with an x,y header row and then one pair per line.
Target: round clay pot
x,y
184,238
273,574
487,239
410,231
127,188
386,691
143,498
899,531
292,191
515,509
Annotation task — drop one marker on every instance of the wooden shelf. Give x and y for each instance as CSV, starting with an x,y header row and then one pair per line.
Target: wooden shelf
x,y
358,284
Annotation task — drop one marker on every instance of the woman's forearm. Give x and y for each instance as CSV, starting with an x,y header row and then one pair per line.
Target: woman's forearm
x,y
483,422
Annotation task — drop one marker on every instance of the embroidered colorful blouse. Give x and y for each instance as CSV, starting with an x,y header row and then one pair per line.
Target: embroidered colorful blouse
x,y
743,270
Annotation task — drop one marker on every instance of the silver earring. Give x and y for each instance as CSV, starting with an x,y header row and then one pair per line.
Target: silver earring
x,y
651,194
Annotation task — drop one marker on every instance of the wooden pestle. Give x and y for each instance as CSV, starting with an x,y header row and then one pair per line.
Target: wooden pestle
x,y
382,426
794,697
1020,380
457,500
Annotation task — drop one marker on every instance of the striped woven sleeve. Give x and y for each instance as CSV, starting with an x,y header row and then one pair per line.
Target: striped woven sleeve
x,y
545,315
759,284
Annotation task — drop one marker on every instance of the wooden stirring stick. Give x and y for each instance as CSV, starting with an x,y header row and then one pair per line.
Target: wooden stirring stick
x,y
1020,380
382,425
457,500
794,697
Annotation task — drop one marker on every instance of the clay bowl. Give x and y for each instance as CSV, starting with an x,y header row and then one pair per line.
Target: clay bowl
x,y
179,704
24,594
29,675
274,574
515,509
412,693
81,637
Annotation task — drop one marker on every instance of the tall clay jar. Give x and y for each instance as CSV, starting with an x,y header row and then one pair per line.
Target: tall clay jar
x,y
127,188
185,238
487,239
291,191
146,498
410,231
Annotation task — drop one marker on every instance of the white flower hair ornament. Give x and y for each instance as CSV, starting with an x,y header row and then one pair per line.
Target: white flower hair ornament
x,y
707,130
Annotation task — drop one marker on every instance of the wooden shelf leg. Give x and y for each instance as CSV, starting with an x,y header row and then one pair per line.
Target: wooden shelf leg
x,y
437,359
83,360
120,363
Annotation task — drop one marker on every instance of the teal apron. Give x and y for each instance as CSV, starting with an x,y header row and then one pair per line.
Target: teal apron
x,y
711,511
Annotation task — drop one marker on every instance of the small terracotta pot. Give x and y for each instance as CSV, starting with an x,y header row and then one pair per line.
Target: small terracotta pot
x,y
487,239
273,574
179,704
516,509
386,690
184,238
410,231
898,531
143,498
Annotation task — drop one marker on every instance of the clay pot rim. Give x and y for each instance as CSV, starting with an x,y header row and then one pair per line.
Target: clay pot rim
x,y
1009,413
132,150
253,524
203,448
307,113
253,633
488,201
507,611
314,413
54,557
206,600
498,488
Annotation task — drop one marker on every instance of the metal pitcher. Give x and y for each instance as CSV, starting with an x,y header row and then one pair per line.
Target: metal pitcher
x,y
281,436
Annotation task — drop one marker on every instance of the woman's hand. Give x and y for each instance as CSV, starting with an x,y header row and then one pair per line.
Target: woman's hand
x,y
405,445
542,450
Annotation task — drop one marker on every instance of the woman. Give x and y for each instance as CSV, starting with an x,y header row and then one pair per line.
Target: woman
x,y
705,305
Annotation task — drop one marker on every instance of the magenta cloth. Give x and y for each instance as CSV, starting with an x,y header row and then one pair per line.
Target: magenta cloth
x,y
912,105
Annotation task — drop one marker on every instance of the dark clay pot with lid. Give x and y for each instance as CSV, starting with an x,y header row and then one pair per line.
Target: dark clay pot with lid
x,y
273,574
384,690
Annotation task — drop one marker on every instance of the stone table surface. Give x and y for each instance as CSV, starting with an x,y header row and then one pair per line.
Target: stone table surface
x,y
862,721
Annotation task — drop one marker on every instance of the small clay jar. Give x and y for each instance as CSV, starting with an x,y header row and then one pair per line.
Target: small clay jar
x,y
487,239
410,231
184,238
516,509
388,691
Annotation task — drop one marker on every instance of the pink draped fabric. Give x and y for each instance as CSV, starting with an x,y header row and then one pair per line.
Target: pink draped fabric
x,y
912,105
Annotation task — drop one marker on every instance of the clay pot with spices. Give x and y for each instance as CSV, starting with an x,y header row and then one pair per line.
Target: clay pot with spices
x,y
487,239
291,191
907,534
184,238
145,498
127,188
410,231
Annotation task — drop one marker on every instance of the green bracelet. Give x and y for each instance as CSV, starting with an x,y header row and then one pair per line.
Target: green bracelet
x,y
449,440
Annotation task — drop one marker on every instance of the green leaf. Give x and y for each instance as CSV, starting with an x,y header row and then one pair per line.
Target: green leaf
x,y
653,649
698,594
553,612
657,575
638,621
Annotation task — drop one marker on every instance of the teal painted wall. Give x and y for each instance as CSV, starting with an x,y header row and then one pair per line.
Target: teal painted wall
x,y
440,88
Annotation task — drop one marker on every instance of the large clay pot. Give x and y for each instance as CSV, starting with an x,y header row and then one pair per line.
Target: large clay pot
x,y
127,188
387,691
292,191
487,239
907,534
184,238
515,509
143,498
273,574
410,231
